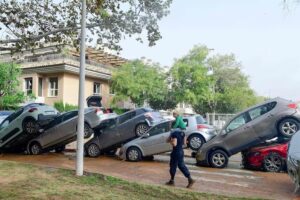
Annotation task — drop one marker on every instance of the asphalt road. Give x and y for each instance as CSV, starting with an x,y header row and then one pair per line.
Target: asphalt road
x,y
232,181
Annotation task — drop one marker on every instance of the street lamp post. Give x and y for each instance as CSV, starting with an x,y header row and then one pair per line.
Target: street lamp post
x,y
80,133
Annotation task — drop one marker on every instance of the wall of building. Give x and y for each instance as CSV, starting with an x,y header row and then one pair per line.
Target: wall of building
x,y
71,88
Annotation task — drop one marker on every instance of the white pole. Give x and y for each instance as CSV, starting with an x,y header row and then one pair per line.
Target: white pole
x,y
81,99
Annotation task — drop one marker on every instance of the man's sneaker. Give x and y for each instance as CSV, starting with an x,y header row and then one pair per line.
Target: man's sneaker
x,y
191,183
170,183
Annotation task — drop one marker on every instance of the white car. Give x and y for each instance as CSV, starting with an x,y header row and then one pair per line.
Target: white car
x,y
25,123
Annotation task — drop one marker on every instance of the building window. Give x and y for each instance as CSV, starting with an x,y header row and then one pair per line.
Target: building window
x,y
97,88
53,87
28,86
40,88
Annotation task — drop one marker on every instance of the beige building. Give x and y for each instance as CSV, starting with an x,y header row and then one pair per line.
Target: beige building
x,y
51,74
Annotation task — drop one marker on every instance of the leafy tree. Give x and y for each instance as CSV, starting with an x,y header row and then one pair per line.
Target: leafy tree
x,y
226,90
31,23
138,82
10,95
189,75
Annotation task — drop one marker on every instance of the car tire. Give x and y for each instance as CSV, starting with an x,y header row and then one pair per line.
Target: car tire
x,y
60,149
88,131
133,154
218,159
30,126
288,127
141,129
93,150
195,142
273,162
35,148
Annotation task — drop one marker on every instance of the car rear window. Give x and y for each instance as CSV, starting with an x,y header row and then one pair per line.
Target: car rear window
x,y
200,120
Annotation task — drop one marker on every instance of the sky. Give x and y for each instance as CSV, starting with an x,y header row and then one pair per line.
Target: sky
x,y
264,36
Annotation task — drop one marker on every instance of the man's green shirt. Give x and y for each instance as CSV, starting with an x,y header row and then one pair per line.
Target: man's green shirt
x,y
179,123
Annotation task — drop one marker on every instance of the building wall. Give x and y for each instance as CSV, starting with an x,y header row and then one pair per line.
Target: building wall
x,y
68,88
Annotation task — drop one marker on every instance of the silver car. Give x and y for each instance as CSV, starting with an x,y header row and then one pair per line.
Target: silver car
x,y
62,130
23,124
274,118
293,160
4,114
117,131
154,141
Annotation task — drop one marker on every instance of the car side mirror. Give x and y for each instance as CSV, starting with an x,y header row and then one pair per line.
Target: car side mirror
x,y
223,132
146,135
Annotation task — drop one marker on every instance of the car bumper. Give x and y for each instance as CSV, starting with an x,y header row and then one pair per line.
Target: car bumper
x,y
122,153
201,158
294,172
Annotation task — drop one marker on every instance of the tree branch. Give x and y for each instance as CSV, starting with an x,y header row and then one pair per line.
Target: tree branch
x,y
37,37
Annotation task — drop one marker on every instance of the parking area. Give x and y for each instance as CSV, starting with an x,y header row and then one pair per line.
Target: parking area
x,y
232,181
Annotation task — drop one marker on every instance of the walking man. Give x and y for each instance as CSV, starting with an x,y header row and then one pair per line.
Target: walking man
x,y
177,139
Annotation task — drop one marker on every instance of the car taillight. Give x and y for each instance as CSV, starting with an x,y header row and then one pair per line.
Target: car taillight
x,y
202,126
98,111
32,110
293,106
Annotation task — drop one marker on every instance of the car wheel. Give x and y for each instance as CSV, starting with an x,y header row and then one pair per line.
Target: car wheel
x,y
273,163
218,159
133,154
35,149
195,142
288,127
60,149
93,150
88,131
30,126
141,129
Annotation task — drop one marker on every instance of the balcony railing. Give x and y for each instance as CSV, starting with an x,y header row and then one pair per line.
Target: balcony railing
x,y
49,57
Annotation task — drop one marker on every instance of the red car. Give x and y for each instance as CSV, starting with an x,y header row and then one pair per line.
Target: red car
x,y
270,158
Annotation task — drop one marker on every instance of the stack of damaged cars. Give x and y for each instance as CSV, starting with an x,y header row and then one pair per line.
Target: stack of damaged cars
x,y
24,124
153,142
274,118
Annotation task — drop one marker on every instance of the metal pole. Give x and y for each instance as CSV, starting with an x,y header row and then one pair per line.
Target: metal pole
x,y
81,99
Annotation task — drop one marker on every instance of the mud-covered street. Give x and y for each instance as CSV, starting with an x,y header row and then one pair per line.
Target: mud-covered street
x,y
232,181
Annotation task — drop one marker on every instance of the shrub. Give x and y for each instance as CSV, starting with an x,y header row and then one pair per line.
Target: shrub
x,y
61,107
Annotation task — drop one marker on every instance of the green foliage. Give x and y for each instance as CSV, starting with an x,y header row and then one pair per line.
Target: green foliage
x,y
227,90
10,94
61,107
119,111
138,82
27,24
189,74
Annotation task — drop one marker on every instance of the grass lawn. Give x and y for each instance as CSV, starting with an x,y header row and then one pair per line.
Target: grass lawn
x,y
24,181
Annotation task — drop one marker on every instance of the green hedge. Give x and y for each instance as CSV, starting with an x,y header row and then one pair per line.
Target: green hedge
x,y
61,107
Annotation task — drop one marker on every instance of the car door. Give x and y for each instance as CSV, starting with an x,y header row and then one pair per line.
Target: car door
x,y
156,142
239,134
126,127
109,135
263,122
51,134
67,128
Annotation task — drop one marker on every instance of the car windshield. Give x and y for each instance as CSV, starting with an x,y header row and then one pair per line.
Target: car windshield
x,y
200,120
160,128
10,118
